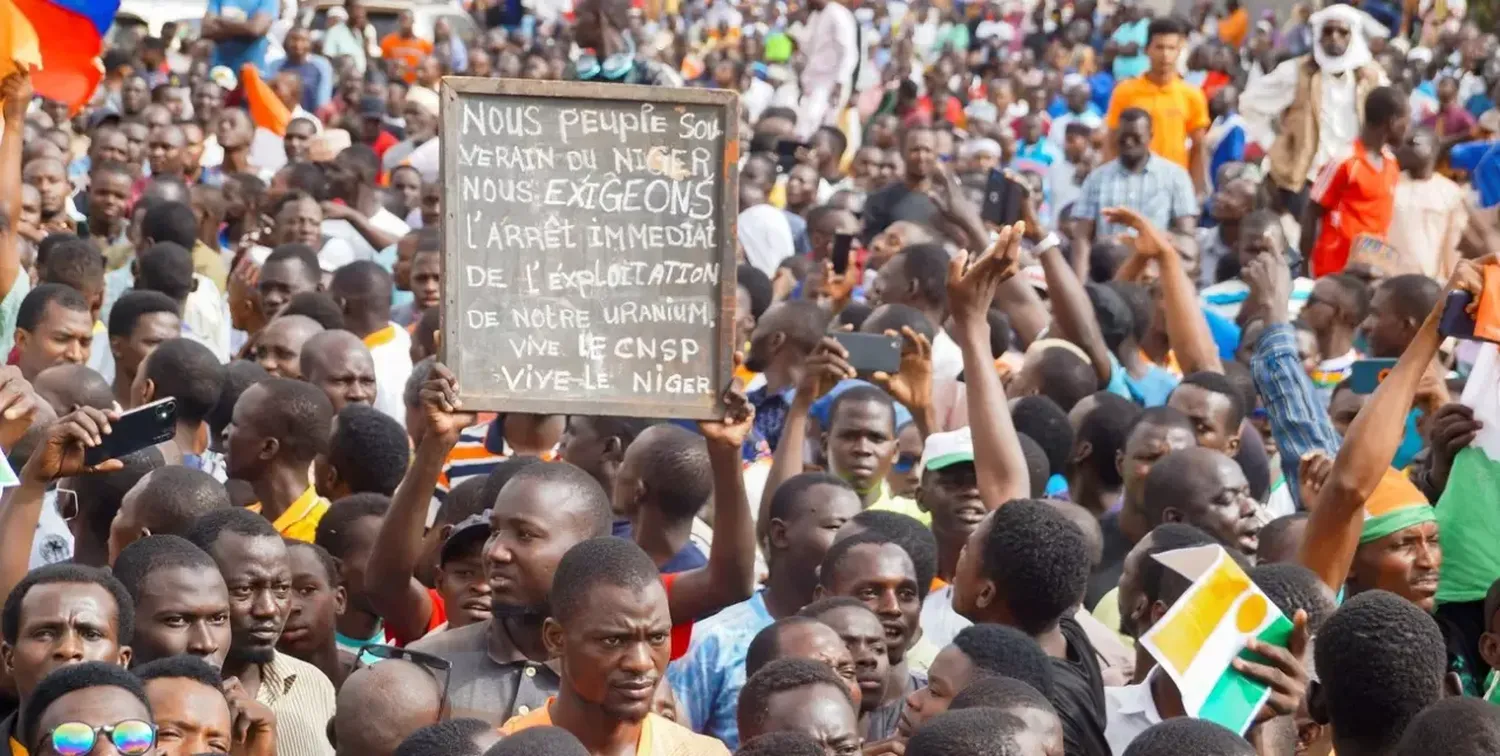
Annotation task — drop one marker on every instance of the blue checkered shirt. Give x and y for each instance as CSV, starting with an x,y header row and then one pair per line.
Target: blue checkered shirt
x,y
1160,191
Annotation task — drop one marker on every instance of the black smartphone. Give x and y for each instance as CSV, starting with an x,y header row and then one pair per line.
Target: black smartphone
x,y
871,352
1002,199
842,243
146,425
786,154
1456,321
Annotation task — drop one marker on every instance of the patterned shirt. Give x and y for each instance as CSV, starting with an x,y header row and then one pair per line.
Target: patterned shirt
x,y
1160,191
1299,424
708,679
303,700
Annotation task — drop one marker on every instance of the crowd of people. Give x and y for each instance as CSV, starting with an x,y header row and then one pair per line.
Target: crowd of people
x,y
1216,314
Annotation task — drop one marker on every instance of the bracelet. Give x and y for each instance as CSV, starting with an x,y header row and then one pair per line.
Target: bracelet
x,y
1048,242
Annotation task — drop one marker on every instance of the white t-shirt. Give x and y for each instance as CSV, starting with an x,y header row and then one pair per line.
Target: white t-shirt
x,y
383,219
390,349
947,358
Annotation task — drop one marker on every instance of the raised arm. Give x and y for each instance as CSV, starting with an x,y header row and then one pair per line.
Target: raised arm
x,y
1335,523
401,599
998,459
1072,312
826,366
729,576
15,92
1187,331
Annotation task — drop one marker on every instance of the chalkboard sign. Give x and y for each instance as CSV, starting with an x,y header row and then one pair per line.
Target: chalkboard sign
x,y
589,246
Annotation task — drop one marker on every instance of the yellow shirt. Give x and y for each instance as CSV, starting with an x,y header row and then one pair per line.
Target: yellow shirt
x,y
16,749
300,520
659,736
1177,110
900,504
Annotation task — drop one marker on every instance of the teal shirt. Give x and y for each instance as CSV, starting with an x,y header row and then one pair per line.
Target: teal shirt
x,y
9,307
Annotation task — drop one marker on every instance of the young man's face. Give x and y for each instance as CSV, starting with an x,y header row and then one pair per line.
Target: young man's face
x,y
1163,51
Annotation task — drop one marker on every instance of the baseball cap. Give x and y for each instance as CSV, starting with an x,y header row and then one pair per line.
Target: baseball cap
x,y
948,448
473,528
371,106
224,77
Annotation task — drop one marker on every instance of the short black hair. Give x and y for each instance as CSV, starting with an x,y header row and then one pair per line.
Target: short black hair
x,y
968,732
1182,735
1006,651
100,495
781,676
461,502
1001,692
207,529
1238,375
1179,480
317,305
140,559
780,743
1112,312
1105,429
1456,726
765,647
75,262
188,372
1380,660
333,529
238,376
67,573
537,741
864,392
1384,104
790,493
1064,377
910,534
72,678
369,450
178,495
892,317
170,222
329,563
1047,424
181,666
498,476
1038,469
453,737
926,265
1291,587
758,286
1136,114
1216,383
1166,25
301,253
1038,559
1166,537
1411,296
136,304
674,470
29,315
802,320
166,267
362,284
296,413
822,606
606,560
581,488
1274,534
1137,299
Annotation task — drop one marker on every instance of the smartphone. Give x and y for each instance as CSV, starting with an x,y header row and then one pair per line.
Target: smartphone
x,y
1366,375
1002,199
1456,320
871,352
786,154
146,425
842,243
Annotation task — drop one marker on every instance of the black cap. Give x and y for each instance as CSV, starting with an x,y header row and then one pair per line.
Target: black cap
x,y
371,106
473,528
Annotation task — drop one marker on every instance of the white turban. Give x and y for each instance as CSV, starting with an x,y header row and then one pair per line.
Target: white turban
x,y
1358,52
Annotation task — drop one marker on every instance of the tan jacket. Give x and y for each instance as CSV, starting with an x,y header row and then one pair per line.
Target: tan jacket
x,y
1296,145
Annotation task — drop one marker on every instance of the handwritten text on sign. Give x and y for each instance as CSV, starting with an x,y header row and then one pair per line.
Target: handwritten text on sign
x,y
587,245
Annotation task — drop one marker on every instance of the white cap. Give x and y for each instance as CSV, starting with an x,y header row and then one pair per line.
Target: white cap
x,y
423,98
948,448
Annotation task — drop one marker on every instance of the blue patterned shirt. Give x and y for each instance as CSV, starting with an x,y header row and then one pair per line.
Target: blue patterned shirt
x,y
707,680
1299,423
1160,191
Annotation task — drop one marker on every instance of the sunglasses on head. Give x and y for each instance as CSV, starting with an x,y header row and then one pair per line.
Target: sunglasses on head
x,y
905,463
440,668
132,737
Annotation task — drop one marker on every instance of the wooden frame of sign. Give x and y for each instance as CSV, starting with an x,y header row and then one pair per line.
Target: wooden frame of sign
x,y
589,246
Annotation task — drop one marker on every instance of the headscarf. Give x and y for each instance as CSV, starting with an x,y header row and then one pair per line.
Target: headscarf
x,y
766,237
1395,505
1358,52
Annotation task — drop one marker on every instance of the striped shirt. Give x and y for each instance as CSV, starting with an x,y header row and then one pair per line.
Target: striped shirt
x,y
303,700
1160,191
480,447
1299,423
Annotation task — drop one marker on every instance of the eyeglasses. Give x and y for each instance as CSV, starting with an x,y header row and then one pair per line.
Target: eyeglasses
x,y
905,463
441,669
131,737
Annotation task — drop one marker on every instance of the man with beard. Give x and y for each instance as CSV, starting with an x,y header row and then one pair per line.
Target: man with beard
x,y
610,628
499,666
784,337
253,560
